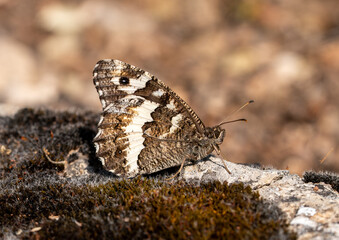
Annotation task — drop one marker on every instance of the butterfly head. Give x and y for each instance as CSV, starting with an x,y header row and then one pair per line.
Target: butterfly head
x,y
216,134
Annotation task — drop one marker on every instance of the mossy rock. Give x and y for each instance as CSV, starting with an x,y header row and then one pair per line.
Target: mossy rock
x,y
37,203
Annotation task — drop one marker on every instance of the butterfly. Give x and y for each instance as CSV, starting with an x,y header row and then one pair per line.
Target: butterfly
x,y
146,127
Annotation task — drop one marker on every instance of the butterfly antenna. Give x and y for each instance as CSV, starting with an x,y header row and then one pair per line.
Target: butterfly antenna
x,y
222,158
328,153
234,112
232,121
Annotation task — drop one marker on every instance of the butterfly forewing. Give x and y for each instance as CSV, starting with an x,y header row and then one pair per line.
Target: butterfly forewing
x,y
145,127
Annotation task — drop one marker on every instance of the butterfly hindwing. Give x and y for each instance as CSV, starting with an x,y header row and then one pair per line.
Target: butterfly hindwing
x,y
145,127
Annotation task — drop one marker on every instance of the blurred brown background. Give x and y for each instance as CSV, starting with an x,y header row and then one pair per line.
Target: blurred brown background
x,y
216,54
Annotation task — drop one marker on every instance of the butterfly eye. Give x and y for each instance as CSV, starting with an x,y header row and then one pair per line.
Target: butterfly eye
x,y
124,80
118,153
195,150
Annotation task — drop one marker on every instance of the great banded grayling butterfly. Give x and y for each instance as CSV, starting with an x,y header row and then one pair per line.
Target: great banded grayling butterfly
x,y
145,127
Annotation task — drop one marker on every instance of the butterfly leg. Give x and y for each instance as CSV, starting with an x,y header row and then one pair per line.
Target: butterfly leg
x,y
181,166
217,150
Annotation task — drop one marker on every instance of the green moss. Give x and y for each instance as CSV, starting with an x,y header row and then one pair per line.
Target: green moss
x,y
140,208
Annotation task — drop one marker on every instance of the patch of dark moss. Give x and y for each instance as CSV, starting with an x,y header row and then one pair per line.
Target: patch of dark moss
x,y
30,130
139,208
325,177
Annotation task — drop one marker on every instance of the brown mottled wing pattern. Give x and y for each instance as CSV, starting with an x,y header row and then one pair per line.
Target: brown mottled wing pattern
x,y
145,127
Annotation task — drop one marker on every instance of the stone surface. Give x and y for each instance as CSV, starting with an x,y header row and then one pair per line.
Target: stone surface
x,y
312,210
215,54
